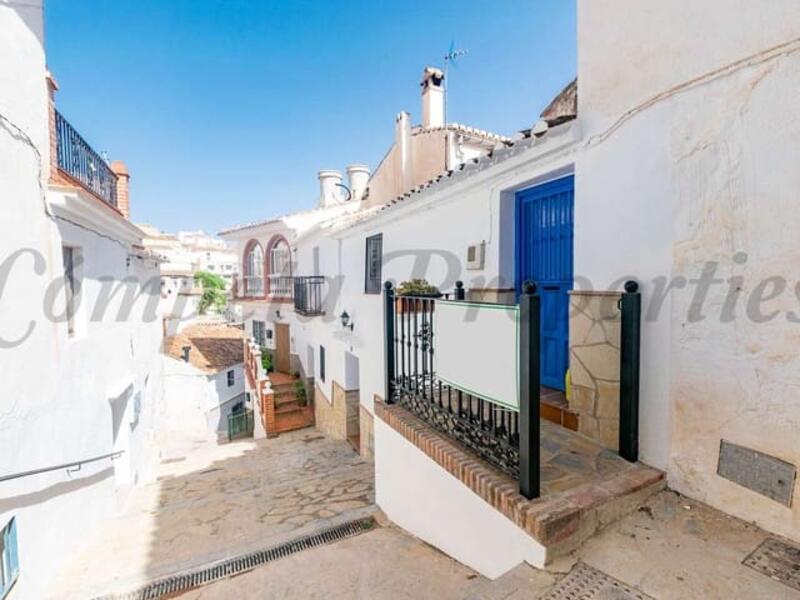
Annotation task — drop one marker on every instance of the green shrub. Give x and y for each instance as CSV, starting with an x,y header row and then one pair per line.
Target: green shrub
x,y
417,287
214,296
300,392
266,360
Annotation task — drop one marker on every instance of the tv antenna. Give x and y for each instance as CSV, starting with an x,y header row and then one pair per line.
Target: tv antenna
x,y
453,54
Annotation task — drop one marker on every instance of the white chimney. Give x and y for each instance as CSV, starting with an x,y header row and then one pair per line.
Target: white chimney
x,y
329,190
432,97
402,139
358,176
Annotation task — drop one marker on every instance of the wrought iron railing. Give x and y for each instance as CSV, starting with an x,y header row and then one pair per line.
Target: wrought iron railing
x,y
309,295
240,424
78,160
490,430
281,286
507,438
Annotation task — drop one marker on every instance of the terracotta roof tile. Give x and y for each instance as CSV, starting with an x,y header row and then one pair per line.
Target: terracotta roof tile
x,y
213,347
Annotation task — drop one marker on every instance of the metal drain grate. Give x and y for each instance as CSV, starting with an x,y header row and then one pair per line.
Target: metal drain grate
x,y
240,564
777,560
586,583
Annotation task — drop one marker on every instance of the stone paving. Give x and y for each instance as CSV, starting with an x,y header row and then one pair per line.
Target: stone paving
x,y
214,502
569,460
671,549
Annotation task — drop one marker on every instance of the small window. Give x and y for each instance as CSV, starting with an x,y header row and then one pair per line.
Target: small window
x,y
373,267
322,363
9,557
231,378
69,255
258,333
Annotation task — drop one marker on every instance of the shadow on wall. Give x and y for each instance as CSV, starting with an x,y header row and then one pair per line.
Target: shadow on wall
x,y
213,502
30,13
12,503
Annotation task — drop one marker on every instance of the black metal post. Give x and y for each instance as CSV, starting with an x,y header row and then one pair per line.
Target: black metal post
x,y
630,338
388,319
459,294
529,427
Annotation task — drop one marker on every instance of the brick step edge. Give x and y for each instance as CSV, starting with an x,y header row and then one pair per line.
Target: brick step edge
x,y
559,521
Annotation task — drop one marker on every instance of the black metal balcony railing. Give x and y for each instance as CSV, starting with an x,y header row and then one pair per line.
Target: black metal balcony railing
x,y
308,295
82,163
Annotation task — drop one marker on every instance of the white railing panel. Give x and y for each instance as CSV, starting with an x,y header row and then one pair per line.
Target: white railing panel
x,y
476,349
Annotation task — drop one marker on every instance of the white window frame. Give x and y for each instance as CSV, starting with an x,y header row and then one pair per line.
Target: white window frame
x,y
280,270
9,557
254,263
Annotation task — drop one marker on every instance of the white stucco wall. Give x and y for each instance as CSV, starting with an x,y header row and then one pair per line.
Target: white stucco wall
x,y
441,225
61,398
688,166
197,403
421,497
57,391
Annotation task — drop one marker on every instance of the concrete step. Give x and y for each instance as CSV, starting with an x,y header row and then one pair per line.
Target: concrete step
x,y
284,398
283,389
294,419
584,486
288,407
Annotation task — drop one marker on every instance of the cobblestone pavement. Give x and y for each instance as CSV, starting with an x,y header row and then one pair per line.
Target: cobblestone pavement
x,y
213,502
671,549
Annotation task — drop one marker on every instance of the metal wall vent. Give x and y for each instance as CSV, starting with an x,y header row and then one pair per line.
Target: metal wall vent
x,y
764,474
240,564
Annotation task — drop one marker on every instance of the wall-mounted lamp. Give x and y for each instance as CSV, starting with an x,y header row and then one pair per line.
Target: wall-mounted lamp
x,y
278,314
345,319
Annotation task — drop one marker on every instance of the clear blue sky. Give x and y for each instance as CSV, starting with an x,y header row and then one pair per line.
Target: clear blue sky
x,y
225,110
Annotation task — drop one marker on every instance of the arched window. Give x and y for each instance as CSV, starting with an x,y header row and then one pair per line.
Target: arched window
x,y
280,268
254,270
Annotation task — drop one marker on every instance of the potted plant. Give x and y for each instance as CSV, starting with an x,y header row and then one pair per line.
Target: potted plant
x,y
410,294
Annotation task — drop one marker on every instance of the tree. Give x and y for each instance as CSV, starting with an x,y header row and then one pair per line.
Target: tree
x,y
214,296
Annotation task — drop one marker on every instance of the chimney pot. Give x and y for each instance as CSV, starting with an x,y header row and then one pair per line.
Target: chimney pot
x,y
123,179
402,139
329,190
357,176
432,97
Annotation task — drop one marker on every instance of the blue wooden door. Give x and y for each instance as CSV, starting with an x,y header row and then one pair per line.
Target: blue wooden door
x,y
544,255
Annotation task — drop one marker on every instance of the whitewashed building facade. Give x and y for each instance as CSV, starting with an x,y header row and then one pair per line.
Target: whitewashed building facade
x,y
80,361
675,171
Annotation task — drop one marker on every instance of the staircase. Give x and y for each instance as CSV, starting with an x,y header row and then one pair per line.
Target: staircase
x,y
289,413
